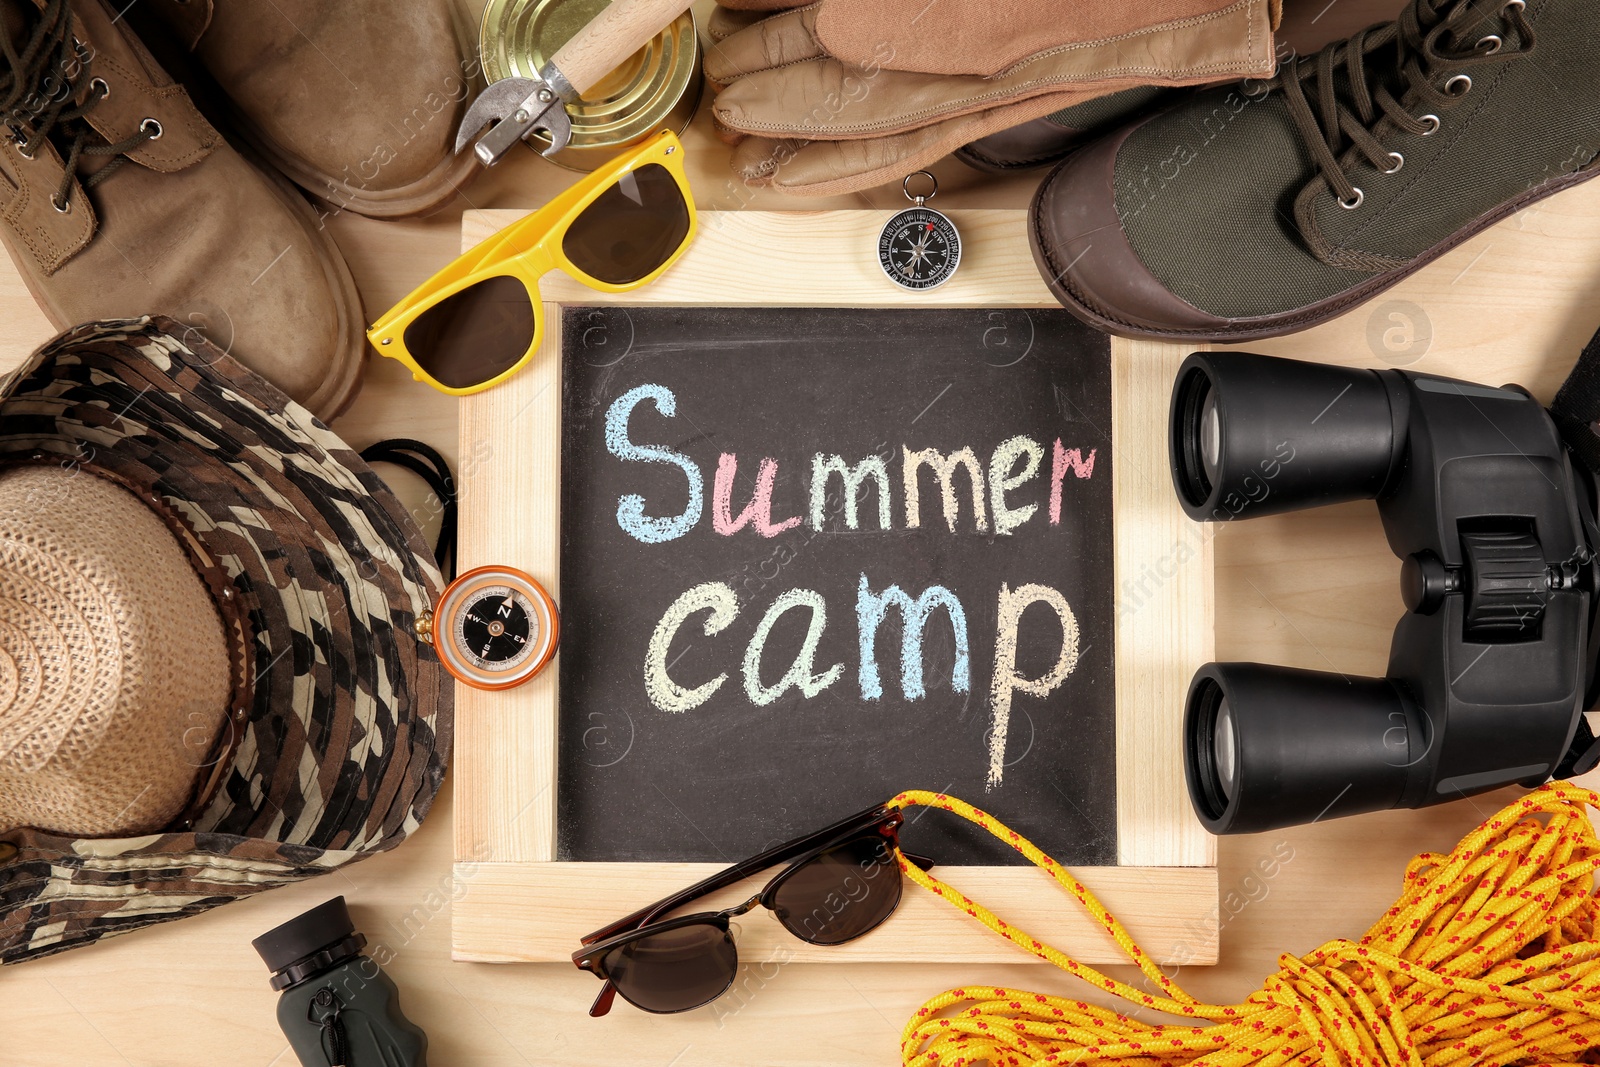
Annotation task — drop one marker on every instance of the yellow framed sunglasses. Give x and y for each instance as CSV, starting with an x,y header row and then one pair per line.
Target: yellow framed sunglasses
x,y
480,319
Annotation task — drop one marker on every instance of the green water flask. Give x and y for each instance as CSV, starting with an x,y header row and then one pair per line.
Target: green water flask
x,y
338,1008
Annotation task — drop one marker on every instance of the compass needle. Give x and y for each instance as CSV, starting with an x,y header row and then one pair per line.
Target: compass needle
x,y
919,248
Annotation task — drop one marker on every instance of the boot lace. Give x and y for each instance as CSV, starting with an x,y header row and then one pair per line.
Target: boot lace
x,y
1427,45
37,89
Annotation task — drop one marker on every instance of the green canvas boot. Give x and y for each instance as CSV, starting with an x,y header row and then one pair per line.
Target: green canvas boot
x,y
1265,208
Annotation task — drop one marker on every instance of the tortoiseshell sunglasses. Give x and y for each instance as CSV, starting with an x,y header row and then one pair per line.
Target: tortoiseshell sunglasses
x,y
839,883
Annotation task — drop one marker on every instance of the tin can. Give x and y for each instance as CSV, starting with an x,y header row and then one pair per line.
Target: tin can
x,y
657,88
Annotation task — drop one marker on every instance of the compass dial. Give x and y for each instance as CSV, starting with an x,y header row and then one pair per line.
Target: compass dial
x,y
497,628
919,248
494,628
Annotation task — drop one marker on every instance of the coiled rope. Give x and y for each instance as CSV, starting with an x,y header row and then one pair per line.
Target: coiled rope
x,y
1488,959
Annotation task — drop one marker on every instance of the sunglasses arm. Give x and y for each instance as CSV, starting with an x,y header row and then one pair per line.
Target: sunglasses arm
x,y
602,1003
922,862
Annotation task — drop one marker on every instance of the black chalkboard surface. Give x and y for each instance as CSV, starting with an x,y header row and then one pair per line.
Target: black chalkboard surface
x,y
734,628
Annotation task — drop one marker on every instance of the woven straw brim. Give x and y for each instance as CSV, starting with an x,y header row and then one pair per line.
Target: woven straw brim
x,y
348,731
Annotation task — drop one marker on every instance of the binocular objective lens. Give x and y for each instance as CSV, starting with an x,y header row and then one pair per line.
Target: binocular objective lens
x,y
1222,749
1210,436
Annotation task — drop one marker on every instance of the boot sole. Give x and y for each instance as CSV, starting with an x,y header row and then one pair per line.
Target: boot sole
x,y
990,165
427,194
424,196
1293,321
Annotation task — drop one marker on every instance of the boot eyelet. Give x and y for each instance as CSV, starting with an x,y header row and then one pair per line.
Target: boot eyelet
x,y
1350,205
62,206
21,142
1515,5
1399,161
152,128
1490,45
99,85
1461,80
1432,122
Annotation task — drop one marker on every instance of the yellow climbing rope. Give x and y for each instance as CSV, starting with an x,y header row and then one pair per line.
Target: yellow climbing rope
x,y
1488,959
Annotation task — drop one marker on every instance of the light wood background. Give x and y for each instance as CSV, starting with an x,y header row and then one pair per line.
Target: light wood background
x,y
1315,590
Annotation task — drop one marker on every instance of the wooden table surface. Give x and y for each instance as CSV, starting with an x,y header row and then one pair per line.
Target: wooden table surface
x,y
193,992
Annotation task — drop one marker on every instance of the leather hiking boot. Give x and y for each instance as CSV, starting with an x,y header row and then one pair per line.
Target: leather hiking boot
x,y
119,200
1048,140
356,101
1264,208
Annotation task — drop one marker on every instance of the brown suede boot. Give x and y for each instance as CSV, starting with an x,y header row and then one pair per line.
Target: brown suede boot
x,y
119,200
357,101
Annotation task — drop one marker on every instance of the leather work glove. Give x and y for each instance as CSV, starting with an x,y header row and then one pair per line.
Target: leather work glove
x,y
838,95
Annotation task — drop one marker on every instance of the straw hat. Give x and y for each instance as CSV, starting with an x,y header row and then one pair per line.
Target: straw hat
x,y
209,679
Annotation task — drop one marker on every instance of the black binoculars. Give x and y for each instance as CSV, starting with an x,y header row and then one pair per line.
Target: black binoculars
x,y
1493,664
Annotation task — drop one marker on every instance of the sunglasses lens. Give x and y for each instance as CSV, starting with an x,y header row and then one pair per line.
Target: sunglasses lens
x,y
475,335
630,229
676,969
841,893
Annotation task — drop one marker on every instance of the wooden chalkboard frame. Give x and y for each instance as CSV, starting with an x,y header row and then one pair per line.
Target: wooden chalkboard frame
x,y
515,903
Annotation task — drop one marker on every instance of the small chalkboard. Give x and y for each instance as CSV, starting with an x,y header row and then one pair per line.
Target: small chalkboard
x,y
672,465
811,557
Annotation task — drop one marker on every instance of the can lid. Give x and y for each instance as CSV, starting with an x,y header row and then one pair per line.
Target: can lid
x,y
324,925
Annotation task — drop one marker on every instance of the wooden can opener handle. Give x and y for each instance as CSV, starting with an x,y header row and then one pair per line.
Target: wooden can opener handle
x,y
624,27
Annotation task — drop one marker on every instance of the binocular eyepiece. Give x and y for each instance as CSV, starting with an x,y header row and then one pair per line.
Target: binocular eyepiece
x,y
1492,665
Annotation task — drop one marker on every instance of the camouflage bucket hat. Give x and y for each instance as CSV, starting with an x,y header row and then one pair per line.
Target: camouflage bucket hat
x,y
334,740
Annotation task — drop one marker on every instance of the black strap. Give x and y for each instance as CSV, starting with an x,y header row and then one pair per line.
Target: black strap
x,y
331,1031
1583,755
1577,407
426,463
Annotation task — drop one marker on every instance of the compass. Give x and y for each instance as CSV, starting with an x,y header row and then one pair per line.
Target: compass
x,y
494,628
919,248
